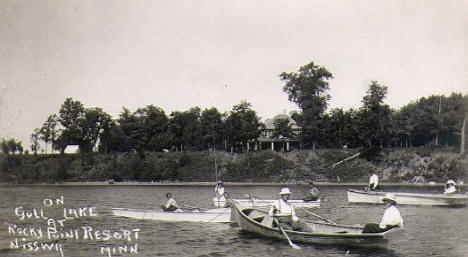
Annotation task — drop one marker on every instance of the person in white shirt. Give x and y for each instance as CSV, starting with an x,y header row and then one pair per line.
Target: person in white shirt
x,y
285,214
450,187
171,204
374,182
219,191
390,219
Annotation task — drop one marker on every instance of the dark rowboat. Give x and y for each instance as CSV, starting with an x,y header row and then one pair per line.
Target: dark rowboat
x,y
254,221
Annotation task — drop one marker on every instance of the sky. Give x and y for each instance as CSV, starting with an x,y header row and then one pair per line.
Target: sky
x,y
180,54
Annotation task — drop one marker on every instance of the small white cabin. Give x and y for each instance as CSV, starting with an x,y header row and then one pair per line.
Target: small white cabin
x,y
72,149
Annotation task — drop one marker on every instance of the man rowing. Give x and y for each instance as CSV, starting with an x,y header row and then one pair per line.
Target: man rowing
x,y
171,204
285,214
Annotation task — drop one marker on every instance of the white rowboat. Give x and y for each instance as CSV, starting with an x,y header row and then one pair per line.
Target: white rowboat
x,y
375,197
219,215
266,202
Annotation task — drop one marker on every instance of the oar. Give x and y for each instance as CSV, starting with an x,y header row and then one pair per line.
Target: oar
x,y
193,207
320,217
293,245
252,198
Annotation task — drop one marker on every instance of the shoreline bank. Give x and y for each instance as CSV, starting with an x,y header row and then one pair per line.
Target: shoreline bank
x,y
319,184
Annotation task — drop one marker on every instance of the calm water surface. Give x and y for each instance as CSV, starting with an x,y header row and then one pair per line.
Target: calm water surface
x,y
430,231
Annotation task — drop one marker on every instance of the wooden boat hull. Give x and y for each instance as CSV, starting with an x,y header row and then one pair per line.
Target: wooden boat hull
x,y
327,234
266,202
220,215
375,197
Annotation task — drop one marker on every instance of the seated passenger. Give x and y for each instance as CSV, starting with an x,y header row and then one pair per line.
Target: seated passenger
x,y
229,202
450,187
374,182
390,219
313,194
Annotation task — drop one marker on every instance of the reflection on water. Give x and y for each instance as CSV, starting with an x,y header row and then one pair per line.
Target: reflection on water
x,y
430,231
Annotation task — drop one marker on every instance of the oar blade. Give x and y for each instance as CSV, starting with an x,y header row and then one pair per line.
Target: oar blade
x,y
295,246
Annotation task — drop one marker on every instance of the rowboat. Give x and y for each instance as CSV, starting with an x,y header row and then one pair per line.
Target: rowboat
x,y
375,197
252,220
254,202
219,215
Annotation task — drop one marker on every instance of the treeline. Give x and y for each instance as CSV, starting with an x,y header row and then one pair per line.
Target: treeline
x,y
434,120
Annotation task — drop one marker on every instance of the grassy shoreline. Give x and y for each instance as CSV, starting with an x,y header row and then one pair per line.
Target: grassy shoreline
x,y
393,166
227,184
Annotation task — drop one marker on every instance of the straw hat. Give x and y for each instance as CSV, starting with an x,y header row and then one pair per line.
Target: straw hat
x,y
450,181
389,197
285,191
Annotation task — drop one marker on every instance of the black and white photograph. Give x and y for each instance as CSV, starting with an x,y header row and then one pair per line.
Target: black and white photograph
x,y
233,128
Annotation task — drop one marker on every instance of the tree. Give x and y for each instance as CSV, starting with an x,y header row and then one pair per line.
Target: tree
x,y
113,139
212,124
92,124
150,130
11,146
343,128
242,125
186,128
4,146
70,115
283,127
48,132
375,116
307,89
35,136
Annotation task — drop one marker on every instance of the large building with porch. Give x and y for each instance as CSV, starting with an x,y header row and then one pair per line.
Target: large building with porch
x,y
268,140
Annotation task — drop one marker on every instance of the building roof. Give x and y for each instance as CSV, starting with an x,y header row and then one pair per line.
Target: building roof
x,y
270,123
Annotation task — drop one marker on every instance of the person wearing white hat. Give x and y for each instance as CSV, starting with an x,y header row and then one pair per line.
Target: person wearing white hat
x,y
390,219
450,187
285,214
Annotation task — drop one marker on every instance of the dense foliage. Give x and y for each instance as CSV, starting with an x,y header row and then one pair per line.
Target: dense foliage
x,y
263,166
436,120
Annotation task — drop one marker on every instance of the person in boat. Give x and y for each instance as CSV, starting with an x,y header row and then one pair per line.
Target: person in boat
x,y
285,214
390,219
450,187
219,191
171,204
229,201
374,182
313,193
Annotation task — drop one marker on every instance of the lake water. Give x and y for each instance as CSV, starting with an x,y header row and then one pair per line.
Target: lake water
x,y
430,231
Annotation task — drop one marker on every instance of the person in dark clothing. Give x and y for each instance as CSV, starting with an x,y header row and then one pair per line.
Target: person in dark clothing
x,y
313,194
